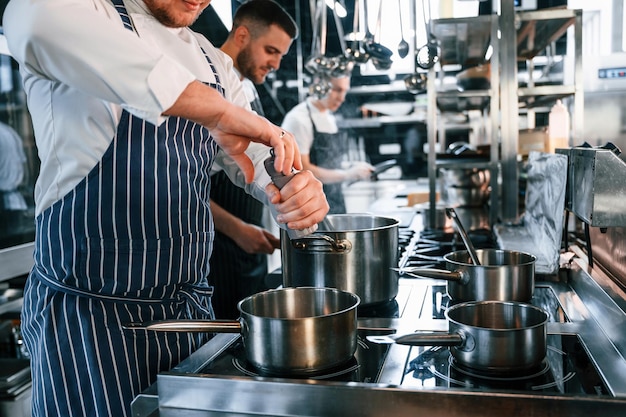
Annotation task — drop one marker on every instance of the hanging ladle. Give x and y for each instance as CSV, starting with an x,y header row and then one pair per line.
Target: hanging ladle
x,y
403,46
451,213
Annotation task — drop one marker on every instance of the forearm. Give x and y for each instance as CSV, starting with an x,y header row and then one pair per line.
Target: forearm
x,y
328,176
224,221
206,106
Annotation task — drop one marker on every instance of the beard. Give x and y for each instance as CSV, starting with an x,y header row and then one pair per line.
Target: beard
x,y
170,18
246,67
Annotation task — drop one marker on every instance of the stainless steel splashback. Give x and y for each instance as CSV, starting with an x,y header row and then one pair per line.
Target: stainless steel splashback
x,y
609,250
596,185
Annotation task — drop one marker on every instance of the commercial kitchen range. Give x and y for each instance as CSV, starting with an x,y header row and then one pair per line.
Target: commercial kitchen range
x,y
583,374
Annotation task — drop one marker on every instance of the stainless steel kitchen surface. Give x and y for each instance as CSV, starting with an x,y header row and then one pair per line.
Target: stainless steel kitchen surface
x,y
584,372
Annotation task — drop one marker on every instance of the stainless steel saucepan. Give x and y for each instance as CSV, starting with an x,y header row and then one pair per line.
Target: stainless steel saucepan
x,y
289,331
356,254
489,336
503,275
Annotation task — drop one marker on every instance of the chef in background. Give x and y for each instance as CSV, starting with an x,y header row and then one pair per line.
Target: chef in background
x,y
261,35
128,118
322,145
12,166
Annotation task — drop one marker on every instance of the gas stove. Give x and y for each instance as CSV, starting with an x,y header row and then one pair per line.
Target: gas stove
x,y
583,374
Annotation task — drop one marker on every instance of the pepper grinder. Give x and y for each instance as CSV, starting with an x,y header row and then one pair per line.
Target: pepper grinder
x,y
279,179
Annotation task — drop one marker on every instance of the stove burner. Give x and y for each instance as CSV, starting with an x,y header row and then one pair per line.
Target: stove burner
x,y
552,374
385,309
431,245
500,376
348,368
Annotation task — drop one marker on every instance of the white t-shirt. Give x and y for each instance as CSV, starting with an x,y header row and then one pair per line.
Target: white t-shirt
x,y
298,122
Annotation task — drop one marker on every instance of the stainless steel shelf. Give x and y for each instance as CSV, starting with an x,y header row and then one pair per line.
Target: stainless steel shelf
x,y
514,36
381,121
11,300
463,41
538,29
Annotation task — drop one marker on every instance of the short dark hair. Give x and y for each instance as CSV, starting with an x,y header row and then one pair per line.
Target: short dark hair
x,y
258,15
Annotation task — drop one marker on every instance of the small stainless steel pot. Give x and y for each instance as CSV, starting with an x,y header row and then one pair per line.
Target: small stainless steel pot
x,y
356,255
287,332
490,336
503,275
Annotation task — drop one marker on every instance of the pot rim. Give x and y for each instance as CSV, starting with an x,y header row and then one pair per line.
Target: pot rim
x,y
356,300
516,304
530,258
390,223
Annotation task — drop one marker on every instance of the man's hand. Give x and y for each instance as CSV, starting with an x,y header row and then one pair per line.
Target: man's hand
x,y
359,171
254,239
249,237
301,203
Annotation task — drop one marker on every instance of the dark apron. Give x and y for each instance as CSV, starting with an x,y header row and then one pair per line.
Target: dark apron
x,y
130,243
235,274
327,151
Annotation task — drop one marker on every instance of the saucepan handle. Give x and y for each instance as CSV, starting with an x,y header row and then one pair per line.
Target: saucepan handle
x,y
186,326
420,339
312,242
433,273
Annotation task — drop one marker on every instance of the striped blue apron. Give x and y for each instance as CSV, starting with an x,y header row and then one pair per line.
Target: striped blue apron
x,y
130,243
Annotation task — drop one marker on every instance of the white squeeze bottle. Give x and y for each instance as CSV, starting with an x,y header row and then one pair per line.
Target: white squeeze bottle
x,y
558,127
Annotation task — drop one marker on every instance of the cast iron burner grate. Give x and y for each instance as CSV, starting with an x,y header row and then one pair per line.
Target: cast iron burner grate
x,y
432,245
362,367
564,370
340,372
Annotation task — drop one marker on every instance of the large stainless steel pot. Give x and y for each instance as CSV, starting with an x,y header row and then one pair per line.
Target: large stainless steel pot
x,y
503,275
287,332
473,218
356,256
490,336
465,177
465,187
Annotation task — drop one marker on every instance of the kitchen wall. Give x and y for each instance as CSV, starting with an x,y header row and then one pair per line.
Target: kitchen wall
x,y
603,47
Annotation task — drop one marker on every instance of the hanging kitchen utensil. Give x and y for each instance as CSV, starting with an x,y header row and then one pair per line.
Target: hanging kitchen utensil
x,y
428,55
312,63
403,46
415,83
380,54
355,52
319,65
343,64
369,36
451,213
490,336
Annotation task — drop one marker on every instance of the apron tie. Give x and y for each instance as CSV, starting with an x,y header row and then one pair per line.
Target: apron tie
x,y
196,298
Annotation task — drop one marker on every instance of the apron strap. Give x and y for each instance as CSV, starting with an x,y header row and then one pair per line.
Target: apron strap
x,y
195,297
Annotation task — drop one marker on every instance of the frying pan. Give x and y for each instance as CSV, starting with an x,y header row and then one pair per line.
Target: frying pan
x,y
489,336
503,275
287,331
